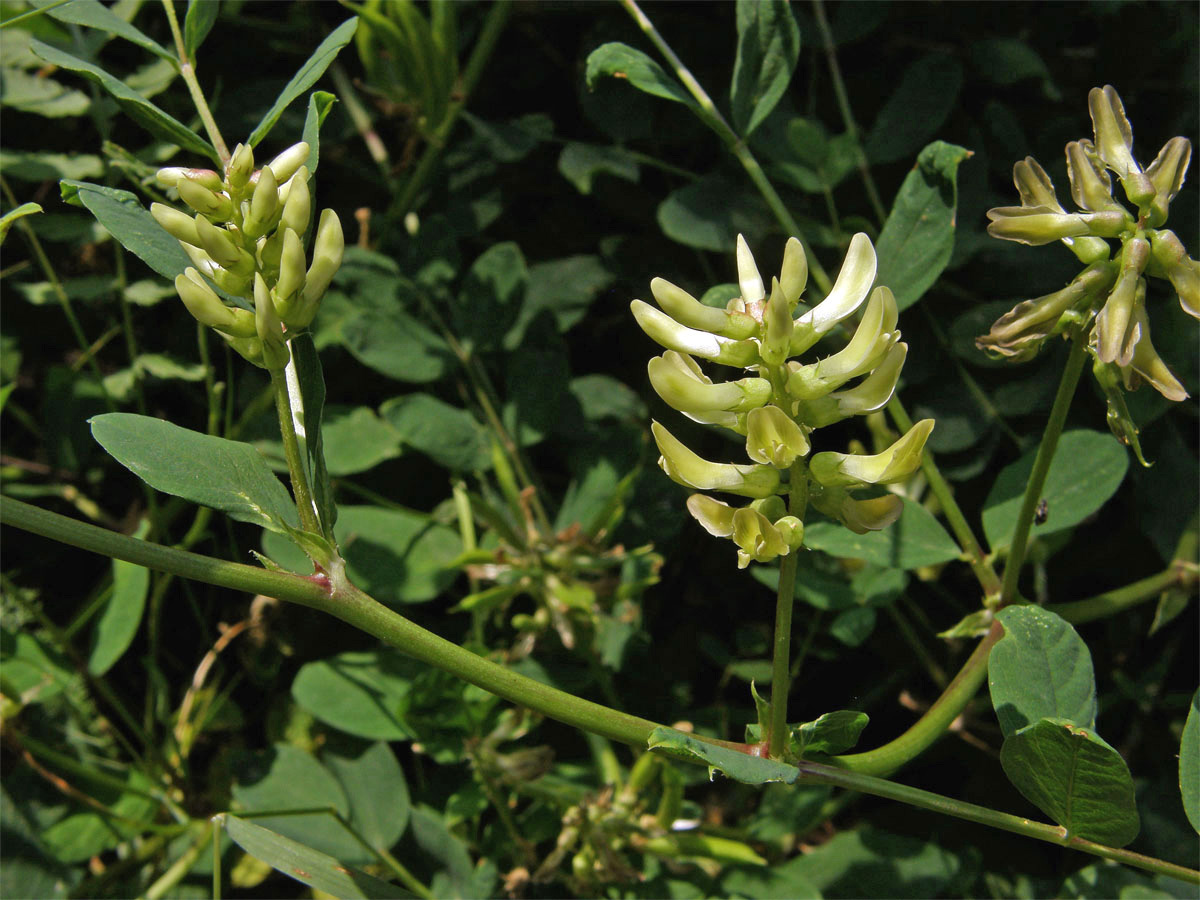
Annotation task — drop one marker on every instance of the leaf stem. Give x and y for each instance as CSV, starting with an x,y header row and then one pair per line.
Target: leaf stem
x,y
188,70
711,116
1041,467
291,452
878,787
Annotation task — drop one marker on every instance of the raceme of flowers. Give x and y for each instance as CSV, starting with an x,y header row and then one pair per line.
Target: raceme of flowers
x,y
1110,293
781,401
247,237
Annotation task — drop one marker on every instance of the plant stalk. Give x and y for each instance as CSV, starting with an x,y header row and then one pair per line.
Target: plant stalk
x,y
781,668
188,70
292,453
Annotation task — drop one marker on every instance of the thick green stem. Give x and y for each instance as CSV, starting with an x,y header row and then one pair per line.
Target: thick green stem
x,y
1179,574
781,666
1041,467
291,452
712,117
188,71
866,784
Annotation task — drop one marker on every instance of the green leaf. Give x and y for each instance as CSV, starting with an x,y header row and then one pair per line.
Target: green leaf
x,y
375,788
449,435
82,835
93,14
396,344
616,60
767,52
834,732
1087,469
915,540
320,103
397,556
10,217
356,439
42,96
305,77
122,616
711,212
28,166
853,626
564,288
212,471
431,834
1040,669
580,164
308,866
1105,880
31,670
917,108
490,297
201,16
361,693
1006,61
138,108
126,220
1189,763
1074,777
736,765
918,237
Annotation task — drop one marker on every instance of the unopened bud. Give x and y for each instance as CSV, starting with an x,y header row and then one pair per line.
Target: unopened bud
x,y
219,244
264,206
1091,188
1182,271
1166,173
269,327
328,248
1117,330
213,206
178,225
240,167
249,348
690,470
291,271
749,280
1114,135
206,307
236,283
777,327
793,276
298,206
286,163
1034,185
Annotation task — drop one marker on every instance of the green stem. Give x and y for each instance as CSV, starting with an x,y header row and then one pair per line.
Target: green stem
x,y
188,71
1041,467
936,720
955,518
984,816
291,452
712,117
1179,574
361,119
216,845
781,668
180,868
843,102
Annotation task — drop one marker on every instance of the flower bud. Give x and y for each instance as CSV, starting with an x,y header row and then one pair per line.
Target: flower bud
x,y
200,259
1114,135
178,225
298,206
861,516
757,539
1166,173
773,438
327,259
249,348
749,280
1034,225
289,161
1117,330
678,380
169,176
1149,366
895,464
849,291
220,245
777,327
688,469
873,338
714,516
235,283
264,206
1091,188
1088,249
687,310
207,309
1182,271
793,276
1034,185
240,167
270,329
291,272
213,206
670,334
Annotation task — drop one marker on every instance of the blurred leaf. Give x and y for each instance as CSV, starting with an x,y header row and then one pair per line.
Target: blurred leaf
x,y
31,669
512,140
321,872
397,556
736,765
355,439
396,344
621,61
9,218
201,16
136,106
320,104
461,879
212,471
580,164
537,406
779,882
767,51
918,237
305,77
28,166
915,111
1041,668
565,288
490,297
82,835
127,221
122,615
853,626
42,96
361,693
450,436
94,14
375,788
961,422
710,213
29,870
1189,763
1072,491
604,397
1109,881
916,539
1006,61
1074,777
831,733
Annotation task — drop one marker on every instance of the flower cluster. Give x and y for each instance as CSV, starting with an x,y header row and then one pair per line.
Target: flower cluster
x,y
247,237
1109,295
782,401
